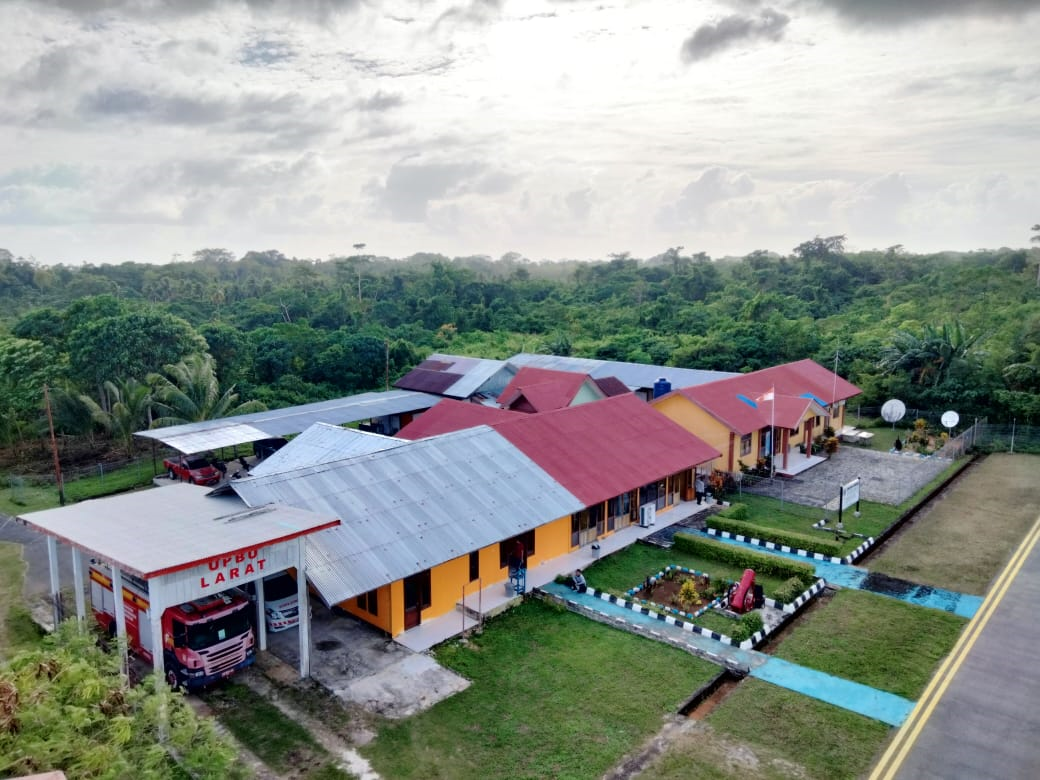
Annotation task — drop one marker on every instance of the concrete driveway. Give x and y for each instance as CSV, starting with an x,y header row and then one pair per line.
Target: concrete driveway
x,y
887,478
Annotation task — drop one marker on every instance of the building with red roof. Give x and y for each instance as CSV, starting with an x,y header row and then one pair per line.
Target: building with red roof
x,y
543,390
615,455
777,411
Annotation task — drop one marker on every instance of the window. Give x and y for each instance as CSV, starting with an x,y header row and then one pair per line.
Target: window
x,y
474,565
369,602
745,444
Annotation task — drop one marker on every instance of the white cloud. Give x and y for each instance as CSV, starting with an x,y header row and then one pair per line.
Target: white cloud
x,y
137,128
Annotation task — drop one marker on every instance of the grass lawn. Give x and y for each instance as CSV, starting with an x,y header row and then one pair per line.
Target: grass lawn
x,y
791,735
17,630
628,567
553,694
769,513
18,497
278,741
962,541
874,640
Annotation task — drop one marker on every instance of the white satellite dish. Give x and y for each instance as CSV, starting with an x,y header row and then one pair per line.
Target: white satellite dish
x,y
950,419
892,411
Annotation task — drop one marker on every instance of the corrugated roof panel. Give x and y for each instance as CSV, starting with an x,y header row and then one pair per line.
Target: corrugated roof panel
x,y
637,376
171,527
600,450
192,441
414,507
323,443
791,380
295,419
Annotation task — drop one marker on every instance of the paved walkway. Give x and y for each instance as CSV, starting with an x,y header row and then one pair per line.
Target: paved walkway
x,y
495,598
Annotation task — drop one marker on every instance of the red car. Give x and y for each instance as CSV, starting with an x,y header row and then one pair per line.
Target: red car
x,y
192,468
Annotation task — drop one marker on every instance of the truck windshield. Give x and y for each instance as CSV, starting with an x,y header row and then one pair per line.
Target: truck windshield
x,y
203,635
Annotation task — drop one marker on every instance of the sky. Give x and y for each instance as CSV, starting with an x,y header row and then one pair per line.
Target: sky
x,y
146,130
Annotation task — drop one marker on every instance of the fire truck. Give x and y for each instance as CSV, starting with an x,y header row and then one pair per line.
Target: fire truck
x,y
204,640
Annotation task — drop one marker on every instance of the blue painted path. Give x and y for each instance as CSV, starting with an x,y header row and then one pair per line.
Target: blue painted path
x,y
963,604
879,705
702,645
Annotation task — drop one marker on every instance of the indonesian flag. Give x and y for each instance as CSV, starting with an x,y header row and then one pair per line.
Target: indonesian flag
x,y
768,396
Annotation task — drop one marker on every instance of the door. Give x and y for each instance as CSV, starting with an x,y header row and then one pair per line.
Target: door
x,y
416,598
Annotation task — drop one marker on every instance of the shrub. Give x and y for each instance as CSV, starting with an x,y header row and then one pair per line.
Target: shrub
x,y
789,591
763,563
688,595
816,544
750,624
736,511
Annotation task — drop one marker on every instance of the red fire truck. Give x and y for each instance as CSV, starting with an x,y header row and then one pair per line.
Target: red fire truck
x,y
204,640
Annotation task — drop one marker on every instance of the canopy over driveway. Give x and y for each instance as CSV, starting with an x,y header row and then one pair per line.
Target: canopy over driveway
x,y
387,406
184,544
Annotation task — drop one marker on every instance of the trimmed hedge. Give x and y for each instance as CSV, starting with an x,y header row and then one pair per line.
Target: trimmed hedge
x,y
789,591
797,541
746,559
735,511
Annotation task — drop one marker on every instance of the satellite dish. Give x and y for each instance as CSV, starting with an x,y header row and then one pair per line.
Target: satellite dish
x,y
893,411
950,419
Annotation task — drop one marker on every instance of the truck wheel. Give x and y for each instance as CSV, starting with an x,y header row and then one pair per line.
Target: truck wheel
x,y
171,474
172,681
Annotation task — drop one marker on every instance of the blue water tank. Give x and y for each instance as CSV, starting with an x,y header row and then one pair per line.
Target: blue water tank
x,y
662,387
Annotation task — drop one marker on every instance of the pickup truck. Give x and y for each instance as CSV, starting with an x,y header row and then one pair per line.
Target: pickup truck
x,y
191,468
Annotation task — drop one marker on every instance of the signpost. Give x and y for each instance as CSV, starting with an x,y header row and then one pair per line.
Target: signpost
x,y
848,496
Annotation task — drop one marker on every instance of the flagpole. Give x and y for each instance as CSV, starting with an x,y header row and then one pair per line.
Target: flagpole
x,y
772,433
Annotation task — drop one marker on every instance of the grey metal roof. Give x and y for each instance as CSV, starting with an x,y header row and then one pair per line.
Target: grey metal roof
x,y
637,376
410,508
212,434
323,443
149,532
476,371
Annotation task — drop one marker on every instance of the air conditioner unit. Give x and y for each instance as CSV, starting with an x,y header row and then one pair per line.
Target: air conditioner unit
x,y
647,515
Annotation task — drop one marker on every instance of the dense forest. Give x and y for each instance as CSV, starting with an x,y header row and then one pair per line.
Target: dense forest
x,y
119,345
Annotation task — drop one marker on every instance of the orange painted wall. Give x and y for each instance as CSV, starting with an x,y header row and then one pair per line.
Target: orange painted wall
x,y
698,422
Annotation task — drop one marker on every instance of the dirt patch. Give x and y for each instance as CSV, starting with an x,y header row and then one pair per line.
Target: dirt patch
x,y
676,594
714,699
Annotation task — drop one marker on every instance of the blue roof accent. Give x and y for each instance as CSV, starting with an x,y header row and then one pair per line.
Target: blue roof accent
x,y
747,400
814,398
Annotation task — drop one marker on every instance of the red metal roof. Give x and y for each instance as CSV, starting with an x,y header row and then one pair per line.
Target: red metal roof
x,y
611,385
795,385
451,415
596,450
542,389
602,449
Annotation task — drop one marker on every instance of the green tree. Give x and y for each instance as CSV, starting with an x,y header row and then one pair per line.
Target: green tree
x,y
25,367
128,345
129,410
931,357
190,392
65,706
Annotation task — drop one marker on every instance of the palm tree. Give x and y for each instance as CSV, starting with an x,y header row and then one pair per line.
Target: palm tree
x,y
130,407
190,392
930,358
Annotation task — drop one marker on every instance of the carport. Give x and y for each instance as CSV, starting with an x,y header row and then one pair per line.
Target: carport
x,y
185,544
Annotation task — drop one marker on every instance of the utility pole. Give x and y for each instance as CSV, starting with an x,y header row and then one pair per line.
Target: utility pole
x,y
54,447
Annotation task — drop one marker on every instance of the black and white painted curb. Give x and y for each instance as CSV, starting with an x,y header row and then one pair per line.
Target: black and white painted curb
x,y
671,620
851,558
